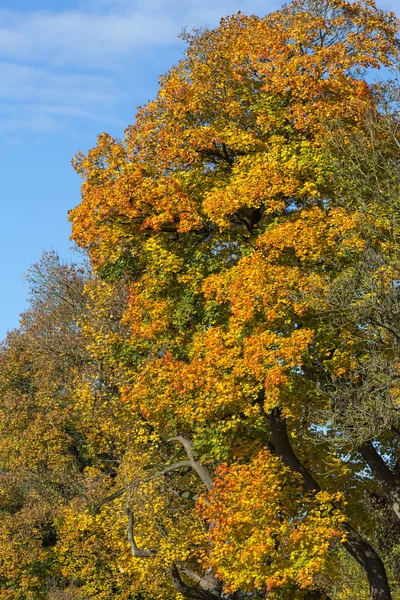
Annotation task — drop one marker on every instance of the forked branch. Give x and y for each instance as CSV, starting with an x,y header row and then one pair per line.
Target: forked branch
x,y
201,470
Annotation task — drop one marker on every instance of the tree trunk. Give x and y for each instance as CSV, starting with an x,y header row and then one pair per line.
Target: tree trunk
x,y
366,556
387,480
316,595
357,547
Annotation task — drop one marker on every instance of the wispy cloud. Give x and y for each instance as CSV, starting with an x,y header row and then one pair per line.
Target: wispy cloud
x,y
80,39
21,82
42,98
105,30
68,63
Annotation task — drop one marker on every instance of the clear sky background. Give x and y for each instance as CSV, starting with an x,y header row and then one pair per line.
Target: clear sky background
x,y
69,70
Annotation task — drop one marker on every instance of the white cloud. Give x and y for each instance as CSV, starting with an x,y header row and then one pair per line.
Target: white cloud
x,y
69,62
95,38
77,39
41,98
20,82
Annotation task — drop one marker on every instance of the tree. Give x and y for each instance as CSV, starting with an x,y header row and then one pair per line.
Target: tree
x,y
222,209
57,453
38,453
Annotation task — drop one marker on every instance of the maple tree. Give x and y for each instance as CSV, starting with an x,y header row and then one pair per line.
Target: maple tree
x,y
198,411
221,207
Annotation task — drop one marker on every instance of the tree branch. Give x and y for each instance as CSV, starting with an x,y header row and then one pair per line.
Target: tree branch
x,y
175,466
201,470
95,509
383,474
393,428
284,450
136,551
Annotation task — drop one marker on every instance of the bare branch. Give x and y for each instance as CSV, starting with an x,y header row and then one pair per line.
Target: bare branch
x,y
179,465
201,470
136,551
95,509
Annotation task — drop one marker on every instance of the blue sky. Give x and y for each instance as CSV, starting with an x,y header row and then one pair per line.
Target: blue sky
x,y
70,69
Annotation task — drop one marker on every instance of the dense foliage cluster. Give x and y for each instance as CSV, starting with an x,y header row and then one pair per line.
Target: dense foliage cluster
x,y
210,408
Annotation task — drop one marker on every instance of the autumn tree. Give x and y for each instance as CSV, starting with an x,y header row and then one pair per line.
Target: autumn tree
x,y
223,210
363,416
54,455
38,452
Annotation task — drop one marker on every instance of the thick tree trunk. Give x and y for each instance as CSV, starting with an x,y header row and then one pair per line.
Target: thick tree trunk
x,y
316,595
366,556
359,549
283,448
388,481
